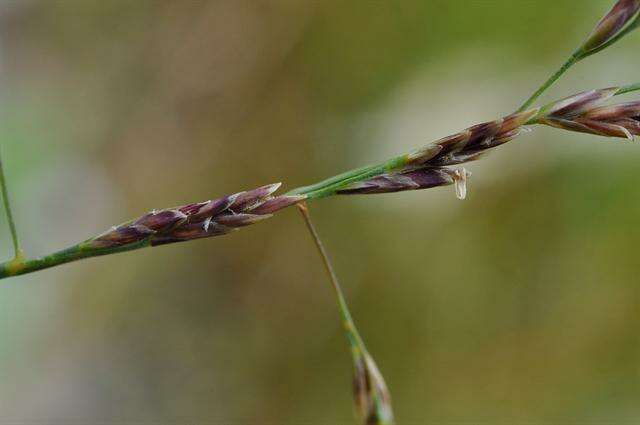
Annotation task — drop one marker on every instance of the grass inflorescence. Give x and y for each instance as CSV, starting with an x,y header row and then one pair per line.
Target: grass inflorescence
x,y
435,164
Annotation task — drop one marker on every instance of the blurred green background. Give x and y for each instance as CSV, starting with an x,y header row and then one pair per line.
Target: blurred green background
x,y
519,305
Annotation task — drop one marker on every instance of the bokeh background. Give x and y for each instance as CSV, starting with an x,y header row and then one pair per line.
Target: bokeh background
x,y
519,305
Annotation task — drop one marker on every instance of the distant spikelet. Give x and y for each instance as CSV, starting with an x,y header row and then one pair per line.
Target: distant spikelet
x,y
372,398
611,25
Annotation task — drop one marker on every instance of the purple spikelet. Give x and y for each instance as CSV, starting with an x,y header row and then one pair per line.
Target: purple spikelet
x,y
197,220
468,144
422,178
583,113
576,105
612,24
428,167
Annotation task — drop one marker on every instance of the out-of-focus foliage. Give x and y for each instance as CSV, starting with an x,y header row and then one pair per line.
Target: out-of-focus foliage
x,y
520,304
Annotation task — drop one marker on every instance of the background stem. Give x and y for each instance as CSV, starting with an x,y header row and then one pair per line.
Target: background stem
x,y
7,209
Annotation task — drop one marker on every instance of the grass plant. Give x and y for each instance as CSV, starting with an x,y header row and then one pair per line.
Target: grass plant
x,y
436,164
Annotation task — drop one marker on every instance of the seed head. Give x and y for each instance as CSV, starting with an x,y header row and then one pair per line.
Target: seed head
x,y
198,220
578,104
584,113
275,204
161,220
422,178
428,167
373,400
612,25
253,198
121,235
469,144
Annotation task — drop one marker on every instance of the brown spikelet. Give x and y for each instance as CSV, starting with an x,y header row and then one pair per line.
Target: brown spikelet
x,y
578,114
429,166
611,25
198,220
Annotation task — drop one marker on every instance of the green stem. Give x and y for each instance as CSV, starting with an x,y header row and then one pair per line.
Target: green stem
x,y
74,253
331,185
347,321
547,84
18,254
371,394
628,89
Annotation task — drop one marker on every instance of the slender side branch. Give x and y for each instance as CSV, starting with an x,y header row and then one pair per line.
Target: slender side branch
x,y
372,398
17,251
342,304
621,19
547,84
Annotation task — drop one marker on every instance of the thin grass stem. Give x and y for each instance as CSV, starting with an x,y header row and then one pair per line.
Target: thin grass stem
x,y
68,255
628,89
547,84
345,315
17,250
372,398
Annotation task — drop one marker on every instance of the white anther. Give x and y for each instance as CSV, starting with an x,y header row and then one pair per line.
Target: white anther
x,y
460,182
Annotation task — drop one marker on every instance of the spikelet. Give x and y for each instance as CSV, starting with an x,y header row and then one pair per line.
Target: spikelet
x,y
198,220
585,113
430,166
612,26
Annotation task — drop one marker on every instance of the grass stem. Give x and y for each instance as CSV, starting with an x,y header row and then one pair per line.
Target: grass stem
x,y
17,250
372,398
547,84
347,320
628,89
